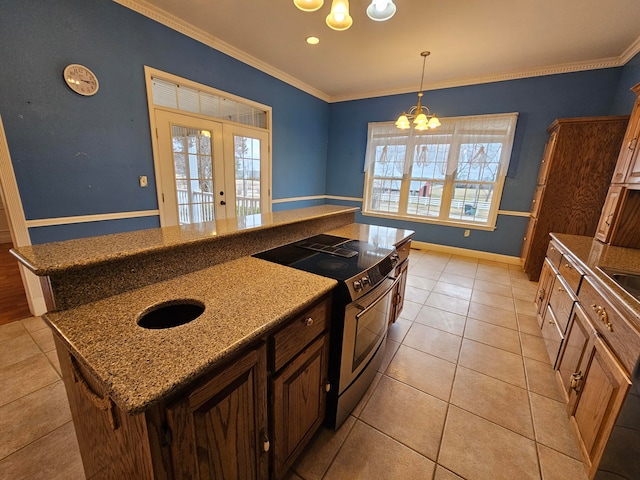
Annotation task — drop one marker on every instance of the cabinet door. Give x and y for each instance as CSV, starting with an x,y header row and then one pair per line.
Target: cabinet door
x,y
526,241
220,429
609,213
398,292
579,332
546,157
628,166
601,392
299,403
545,284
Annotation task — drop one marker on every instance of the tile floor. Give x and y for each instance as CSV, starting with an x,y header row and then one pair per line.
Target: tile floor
x,y
466,391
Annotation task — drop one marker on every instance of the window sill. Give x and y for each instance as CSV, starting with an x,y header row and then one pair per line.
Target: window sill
x,y
446,223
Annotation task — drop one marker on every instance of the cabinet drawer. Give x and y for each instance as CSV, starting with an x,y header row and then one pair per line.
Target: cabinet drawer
x,y
293,338
561,302
554,254
403,251
623,339
571,273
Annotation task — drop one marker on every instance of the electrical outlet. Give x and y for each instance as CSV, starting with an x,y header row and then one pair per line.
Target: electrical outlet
x,y
467,233
143,180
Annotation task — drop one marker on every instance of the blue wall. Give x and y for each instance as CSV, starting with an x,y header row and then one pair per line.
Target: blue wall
x,y
76,155
538,101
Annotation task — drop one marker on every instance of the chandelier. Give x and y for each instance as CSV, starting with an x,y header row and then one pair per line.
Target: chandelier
x,y
339,18
420,114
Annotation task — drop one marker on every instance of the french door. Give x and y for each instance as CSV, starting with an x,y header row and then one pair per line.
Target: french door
x,y
209,170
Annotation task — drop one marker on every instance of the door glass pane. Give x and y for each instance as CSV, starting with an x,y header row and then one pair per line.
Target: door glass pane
x,y
193,167
247,167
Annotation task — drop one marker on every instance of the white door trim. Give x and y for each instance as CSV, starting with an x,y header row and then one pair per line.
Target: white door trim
x,y
17,225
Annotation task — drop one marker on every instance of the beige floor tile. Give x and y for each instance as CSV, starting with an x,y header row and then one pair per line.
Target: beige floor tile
x,y
493,335
493,315
416,295
410,310
32,416
11,330
450,304
524,284
556,466
517,273
17,349
494,400
44,339
534,347
398,330
421,282
541,379
314,461
477,449
459,280
426,270
551,425
367,395
22,378
55,456
369,454
503,279
390,350
408,415
442,320
526,307
453,290
425,372
460,269
433,341
529,324
34,323
492,270
493,300
53,359
490,287
525,293
492,361
444,474
493,263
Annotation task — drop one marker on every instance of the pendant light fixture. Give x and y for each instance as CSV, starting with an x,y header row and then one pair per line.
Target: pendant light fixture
x,y
420,114
339,18
381,10
308,5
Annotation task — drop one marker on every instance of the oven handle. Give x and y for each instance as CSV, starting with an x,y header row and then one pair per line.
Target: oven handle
x,y
365,310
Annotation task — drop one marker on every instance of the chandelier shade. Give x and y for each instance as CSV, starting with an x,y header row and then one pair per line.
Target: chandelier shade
x,y
422,117
339,18
381,10
308,5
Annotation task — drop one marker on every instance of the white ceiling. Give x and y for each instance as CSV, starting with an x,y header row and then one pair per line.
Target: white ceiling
x,y
471,41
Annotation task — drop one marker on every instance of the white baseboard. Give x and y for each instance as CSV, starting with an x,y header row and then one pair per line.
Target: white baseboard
x,y
465,252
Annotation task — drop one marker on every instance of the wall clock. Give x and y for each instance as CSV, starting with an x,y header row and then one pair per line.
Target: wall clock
x,y
80,79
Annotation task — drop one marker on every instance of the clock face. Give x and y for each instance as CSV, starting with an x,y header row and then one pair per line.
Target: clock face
x,y
80,79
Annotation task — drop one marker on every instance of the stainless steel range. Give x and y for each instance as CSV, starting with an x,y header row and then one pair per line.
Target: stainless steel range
x,y
360,314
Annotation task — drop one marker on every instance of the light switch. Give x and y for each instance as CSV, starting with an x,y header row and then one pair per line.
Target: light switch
x,y
143,180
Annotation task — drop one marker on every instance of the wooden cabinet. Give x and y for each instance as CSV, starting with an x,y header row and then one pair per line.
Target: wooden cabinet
x,y
579,333
609,213
247,419
397,298
575,173
299,403
220,429
628,166
545,285
599,388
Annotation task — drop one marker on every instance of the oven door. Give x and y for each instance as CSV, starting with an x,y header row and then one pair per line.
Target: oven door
x,y
365,326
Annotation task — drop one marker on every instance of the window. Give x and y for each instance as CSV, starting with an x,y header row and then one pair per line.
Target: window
x,y
451,175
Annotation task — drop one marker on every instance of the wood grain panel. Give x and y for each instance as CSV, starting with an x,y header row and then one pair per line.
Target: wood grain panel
x,y
13,300
579,332
561,302
625,231
571,273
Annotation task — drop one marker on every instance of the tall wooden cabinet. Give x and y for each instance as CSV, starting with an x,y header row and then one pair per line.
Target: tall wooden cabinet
x,y
575,173
620,220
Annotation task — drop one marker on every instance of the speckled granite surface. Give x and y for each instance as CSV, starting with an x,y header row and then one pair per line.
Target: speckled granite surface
x,y
243,298
56,257
385,237
591,253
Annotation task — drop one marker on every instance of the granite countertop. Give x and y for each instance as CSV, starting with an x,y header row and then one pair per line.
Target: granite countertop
x,y
55,257
591,254
244,299
386,237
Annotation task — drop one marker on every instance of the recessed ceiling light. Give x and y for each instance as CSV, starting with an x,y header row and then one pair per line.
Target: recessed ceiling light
x,y
313,40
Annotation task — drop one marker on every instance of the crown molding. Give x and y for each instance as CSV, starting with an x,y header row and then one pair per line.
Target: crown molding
x,y
179,25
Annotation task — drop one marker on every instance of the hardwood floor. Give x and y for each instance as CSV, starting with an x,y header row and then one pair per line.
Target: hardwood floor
x,y
13,301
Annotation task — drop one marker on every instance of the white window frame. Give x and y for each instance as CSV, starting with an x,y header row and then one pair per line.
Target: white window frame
x,y
380,133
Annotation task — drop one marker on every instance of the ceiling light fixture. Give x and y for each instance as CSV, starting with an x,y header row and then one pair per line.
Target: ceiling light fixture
x,y
381,10
339,18
313,40
421,120
308,5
